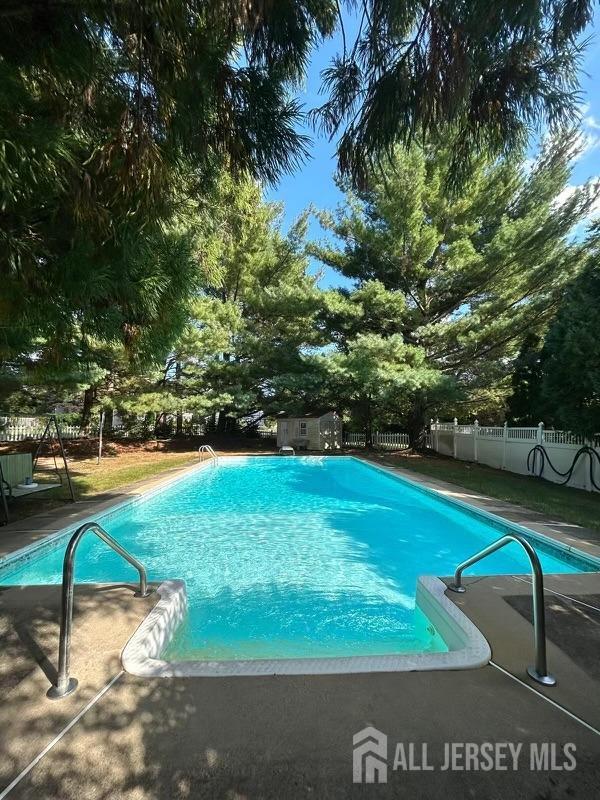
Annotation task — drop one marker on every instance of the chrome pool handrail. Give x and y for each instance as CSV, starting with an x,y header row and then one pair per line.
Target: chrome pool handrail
x,y
206,448
539,672
64,683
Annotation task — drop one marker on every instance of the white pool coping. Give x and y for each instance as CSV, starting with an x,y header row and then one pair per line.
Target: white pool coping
x,y
141,655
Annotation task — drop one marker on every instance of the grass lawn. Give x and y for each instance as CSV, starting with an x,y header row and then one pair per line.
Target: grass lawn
x,y
557,502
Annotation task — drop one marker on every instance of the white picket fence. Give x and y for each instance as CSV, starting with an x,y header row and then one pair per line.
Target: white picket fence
x,y
507,448
20,429
264,433
389,441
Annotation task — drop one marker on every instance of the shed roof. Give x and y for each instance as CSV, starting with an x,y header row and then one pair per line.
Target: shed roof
x,y
307,415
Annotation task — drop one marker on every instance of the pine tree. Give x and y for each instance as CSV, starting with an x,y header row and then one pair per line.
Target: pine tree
x,y
524,404
464,277
571,357
480,75
252,319
113,116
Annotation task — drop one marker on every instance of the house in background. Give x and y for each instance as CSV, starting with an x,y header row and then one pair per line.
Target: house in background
x,y
310,431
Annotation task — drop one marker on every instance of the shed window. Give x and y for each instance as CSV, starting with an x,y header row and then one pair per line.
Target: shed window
x,y
303,431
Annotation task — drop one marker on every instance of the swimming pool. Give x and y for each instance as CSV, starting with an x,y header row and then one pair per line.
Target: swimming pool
x,y
291,558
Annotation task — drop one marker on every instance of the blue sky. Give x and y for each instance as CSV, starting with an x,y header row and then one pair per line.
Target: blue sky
x,y
314,182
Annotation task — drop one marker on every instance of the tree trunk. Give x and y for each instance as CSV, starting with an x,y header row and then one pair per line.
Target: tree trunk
x,y
368,425
100,432
179,417
89,397
416,425
222,422
160,418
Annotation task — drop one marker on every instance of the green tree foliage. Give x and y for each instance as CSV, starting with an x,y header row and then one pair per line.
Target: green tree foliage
x,y
571,357
118,119
113,116
374,378
131,292
485,74
251,321
524,404
466,277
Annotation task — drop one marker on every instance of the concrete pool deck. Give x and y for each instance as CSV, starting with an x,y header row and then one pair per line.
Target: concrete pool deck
x,y
284,737
290,737
104,617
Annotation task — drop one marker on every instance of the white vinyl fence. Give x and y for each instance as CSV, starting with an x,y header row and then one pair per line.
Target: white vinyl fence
x,y
509,448
389,441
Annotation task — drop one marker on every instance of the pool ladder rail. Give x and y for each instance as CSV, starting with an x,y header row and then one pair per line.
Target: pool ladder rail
x,y
539,672
206,448
65,684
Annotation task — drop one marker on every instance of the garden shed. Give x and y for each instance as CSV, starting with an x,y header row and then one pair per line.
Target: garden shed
x,y
310,431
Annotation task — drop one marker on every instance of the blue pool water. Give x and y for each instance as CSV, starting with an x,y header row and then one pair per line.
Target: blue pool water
x,y
293,557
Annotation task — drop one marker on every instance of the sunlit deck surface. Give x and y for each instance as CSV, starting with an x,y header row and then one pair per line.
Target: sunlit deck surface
x,y
291,737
